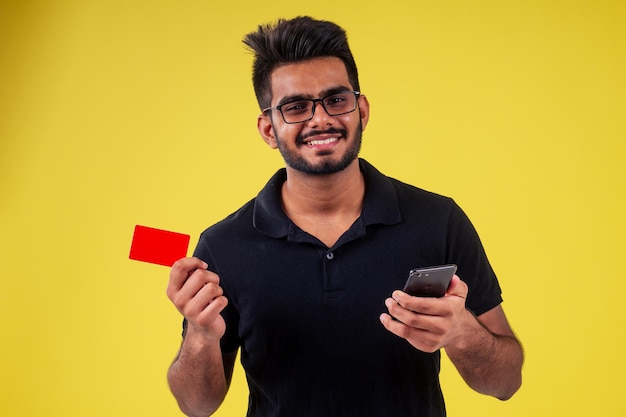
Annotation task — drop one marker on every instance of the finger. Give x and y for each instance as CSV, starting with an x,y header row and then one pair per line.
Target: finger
x,y
397,327
390,324
182,269
420,339
457,287
421,305
198,278
202,299
416,320
197,281
209,321
212,310
396,310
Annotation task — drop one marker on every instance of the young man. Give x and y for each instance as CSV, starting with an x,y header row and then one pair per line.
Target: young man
x,y
304,278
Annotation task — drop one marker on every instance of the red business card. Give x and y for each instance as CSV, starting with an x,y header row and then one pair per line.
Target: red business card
x,y
158,246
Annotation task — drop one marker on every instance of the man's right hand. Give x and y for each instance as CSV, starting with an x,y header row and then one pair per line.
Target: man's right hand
x,y
198,377
197,295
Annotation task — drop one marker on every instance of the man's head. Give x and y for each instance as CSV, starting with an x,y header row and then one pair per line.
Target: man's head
x,y
307,86
295,40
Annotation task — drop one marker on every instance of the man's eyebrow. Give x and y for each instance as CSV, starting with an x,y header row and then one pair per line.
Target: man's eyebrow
x,y
335,90
325,93
295,97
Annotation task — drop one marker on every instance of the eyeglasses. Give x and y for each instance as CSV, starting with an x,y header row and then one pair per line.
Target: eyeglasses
x,y
302,110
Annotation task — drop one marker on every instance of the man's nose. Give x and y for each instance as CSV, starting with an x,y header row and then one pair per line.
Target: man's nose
x,y
319,117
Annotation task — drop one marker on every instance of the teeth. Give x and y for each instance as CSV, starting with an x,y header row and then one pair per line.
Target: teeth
x,y
322,142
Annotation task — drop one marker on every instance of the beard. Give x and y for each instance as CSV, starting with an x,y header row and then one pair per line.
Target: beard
x,y
328,165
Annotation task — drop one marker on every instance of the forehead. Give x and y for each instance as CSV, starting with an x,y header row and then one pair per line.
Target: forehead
x,y
309,78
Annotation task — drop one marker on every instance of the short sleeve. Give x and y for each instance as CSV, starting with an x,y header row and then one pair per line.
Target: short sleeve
x,y
465,249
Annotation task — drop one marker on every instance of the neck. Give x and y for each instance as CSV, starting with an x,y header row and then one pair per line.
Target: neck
x,y
324,205
316,194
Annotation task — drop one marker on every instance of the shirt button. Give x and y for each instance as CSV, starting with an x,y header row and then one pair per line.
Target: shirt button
x,y
330,256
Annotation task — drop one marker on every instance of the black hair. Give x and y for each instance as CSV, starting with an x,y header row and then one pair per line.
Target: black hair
x,y
295,40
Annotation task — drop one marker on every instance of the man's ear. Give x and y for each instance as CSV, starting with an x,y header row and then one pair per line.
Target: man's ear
x,y
364,110
264,125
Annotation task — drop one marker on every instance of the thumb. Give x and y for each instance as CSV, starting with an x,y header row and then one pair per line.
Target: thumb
x,y
457,287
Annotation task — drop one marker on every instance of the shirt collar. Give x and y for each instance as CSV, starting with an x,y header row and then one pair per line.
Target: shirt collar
x,y
380,204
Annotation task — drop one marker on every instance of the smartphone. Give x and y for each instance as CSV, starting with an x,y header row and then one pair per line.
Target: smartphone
x,y
429,282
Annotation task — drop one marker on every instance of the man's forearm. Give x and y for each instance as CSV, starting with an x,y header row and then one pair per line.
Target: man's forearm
x,y
197,378
489,363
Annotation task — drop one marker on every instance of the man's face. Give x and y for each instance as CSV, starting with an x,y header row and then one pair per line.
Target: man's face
x,y
325,144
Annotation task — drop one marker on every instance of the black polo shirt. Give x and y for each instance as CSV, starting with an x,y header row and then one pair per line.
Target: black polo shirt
x,y
306,316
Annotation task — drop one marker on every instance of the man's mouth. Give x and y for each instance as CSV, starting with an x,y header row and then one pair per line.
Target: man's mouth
x,y
319,142
322,138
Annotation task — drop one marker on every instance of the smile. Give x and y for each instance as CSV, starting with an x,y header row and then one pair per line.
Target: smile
x,y
322,142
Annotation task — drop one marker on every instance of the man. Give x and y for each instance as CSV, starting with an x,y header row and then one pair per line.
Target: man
x,y
304,278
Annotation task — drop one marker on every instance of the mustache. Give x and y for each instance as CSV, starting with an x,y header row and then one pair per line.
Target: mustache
x,y
301,138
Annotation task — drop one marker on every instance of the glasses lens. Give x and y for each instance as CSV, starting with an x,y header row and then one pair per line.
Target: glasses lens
x,y
339,103
297,111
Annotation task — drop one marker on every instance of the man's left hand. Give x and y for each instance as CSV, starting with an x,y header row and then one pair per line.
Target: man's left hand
x,y
428,323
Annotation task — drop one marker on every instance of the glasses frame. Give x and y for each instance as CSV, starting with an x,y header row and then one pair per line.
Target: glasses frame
x,y
356,94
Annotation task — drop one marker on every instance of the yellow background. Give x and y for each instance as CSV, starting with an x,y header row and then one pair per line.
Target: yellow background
x,y
116,113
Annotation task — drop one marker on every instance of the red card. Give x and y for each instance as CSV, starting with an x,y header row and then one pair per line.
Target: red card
x,y
158,246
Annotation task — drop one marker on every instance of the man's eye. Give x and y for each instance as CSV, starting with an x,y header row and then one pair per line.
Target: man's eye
x,y
296,107
335,101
